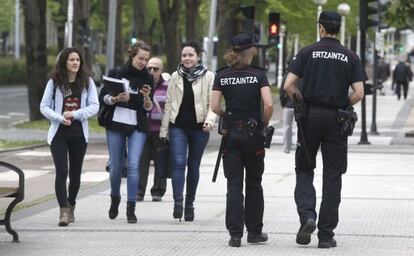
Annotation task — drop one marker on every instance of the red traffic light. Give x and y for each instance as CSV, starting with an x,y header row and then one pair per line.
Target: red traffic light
x,y
274,24
273,29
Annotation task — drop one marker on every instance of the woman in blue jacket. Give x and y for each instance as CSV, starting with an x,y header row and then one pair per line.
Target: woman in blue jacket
x,y
70,98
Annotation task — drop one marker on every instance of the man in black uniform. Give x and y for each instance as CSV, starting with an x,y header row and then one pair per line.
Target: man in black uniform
x,y
328,70
244,87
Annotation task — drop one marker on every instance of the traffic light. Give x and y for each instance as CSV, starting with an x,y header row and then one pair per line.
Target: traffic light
x,y
372,13
274,27
248,12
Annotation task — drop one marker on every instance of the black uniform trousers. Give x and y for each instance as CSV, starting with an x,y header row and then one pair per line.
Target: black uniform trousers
x,y
321,129
242,151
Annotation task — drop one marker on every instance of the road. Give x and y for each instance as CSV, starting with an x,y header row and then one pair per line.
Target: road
x,y
14,106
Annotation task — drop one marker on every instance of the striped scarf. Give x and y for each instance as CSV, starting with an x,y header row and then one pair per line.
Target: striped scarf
x,y
192,74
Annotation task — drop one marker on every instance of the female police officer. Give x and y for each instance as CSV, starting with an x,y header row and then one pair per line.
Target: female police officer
x,y
243,88
328,70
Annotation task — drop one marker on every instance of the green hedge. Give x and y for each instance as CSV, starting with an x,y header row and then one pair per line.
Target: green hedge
x,y
13,71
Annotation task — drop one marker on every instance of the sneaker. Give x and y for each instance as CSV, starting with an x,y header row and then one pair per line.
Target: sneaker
x,y
140,198
156,198
235,242
327,244
257,238
304,234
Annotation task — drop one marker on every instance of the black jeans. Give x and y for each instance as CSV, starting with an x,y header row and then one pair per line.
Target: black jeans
x,y
148,153
321,129
63,144
404,85
242,151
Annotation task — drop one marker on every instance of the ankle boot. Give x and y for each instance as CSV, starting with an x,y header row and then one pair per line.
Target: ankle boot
x,y
189,212
178,210
113,210
64,216
131,212
71,212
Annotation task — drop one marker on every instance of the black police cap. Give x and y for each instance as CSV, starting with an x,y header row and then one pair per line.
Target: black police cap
x,y
243,41
328,18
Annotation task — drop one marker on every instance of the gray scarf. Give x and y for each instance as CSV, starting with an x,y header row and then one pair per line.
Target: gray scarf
x,y
192,74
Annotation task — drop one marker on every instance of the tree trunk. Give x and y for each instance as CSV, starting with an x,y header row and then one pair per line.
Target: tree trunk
x,y
227,26
36,55
119,42
81,29
59,18
140,17
169,18
191,20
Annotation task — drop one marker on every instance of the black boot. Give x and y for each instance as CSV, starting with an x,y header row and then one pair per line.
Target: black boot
x,y
189,211
178,210
113,210
131,212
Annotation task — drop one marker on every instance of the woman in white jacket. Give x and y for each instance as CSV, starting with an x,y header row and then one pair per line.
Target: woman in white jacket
x,y
70,98
188,119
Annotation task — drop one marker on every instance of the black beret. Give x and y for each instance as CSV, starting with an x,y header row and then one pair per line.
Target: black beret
x,y
243,42
328,18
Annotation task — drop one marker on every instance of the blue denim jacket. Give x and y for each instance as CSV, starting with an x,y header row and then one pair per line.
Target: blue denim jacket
x,y
52,110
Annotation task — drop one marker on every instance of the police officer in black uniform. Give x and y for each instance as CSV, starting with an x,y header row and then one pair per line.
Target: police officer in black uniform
x,y
328,70
244,88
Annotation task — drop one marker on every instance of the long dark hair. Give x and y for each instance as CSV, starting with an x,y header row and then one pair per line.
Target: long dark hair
x,y
59,73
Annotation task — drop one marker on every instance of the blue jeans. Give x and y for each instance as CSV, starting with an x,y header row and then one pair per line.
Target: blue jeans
x,y
180,140
116,147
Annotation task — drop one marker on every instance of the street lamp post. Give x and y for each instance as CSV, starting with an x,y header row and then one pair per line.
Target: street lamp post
x,y
110,38
70,24
343,10
17,30
319,3
211,31
280,63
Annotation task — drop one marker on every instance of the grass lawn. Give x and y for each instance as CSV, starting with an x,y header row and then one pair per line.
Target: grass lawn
x,y
8,144
44,125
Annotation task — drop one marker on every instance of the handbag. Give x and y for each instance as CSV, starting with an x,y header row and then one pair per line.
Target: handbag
x,y
162,158
103,114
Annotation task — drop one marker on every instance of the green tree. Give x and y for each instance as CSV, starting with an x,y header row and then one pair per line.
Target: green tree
x,y
36,56
58,13
191,20
401,13
170,14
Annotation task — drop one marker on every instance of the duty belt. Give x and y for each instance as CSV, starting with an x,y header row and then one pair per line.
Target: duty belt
x,y
327,111
251,126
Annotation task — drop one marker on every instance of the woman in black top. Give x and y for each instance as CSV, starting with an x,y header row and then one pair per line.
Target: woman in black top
x,y
127,124
70,98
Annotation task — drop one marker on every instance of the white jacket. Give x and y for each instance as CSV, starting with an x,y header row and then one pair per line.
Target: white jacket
x,y
202,94
52,110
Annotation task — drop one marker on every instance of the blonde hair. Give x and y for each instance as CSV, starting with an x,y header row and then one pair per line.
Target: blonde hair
x,y
237,59
133,49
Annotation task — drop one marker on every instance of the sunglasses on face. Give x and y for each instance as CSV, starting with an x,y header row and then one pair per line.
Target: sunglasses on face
x,y
155,69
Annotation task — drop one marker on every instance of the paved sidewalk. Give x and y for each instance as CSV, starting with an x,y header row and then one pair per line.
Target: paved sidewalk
x,y
376,215
376,212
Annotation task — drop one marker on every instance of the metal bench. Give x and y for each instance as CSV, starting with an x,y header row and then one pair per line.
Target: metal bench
x,y
13,192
